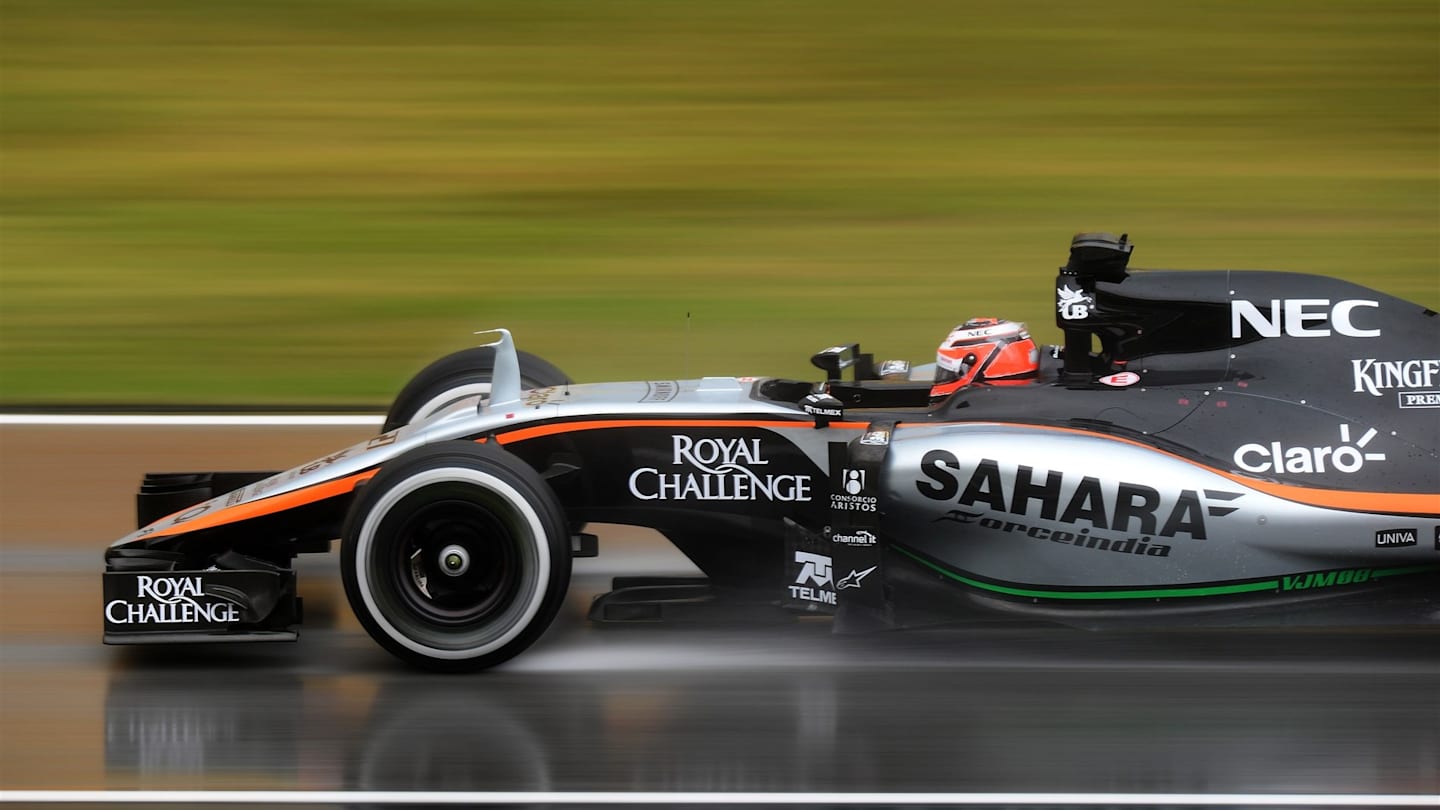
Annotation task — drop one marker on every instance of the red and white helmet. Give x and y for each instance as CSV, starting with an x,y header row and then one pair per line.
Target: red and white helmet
x,y
984,350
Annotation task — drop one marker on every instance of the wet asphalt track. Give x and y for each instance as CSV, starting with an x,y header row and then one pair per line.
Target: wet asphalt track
x,y
650,708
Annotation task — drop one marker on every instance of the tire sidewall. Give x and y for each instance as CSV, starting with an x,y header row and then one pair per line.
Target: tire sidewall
x,y
498,480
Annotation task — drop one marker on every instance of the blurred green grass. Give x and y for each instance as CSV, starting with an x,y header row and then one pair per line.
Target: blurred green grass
x,y
307,200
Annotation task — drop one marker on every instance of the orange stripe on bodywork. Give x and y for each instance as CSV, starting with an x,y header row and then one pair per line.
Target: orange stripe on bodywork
x,y
1422,504
268,506
607,424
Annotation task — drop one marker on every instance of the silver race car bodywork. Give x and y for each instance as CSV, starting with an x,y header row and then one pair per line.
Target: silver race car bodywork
x,y
1244,447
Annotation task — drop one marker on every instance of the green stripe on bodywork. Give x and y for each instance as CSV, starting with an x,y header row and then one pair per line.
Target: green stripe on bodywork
x,y
1149,593
1402,570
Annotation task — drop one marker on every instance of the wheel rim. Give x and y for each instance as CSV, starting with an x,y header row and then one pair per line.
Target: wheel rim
x,y
483,617
486,577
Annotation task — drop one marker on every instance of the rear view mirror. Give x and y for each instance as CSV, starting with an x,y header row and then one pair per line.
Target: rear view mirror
x,y
834,360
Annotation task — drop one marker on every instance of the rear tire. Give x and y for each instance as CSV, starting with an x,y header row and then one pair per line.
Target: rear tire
x,y
462,375
455,556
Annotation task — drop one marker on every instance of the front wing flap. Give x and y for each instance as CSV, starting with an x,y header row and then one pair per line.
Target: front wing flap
x,y
168,606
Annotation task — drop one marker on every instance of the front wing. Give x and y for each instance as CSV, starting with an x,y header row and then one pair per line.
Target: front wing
x,y
148,601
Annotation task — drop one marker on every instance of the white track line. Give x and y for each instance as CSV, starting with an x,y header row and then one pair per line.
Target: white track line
x,y
191,420
648,798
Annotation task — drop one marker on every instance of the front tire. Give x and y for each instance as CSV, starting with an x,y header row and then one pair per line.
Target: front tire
x,y
455,556
465,374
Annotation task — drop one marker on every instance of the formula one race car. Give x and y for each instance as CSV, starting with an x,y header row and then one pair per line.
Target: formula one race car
x,y
1207,448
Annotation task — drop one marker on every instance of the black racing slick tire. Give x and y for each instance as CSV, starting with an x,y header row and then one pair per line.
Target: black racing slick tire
x,y
455,556
462,375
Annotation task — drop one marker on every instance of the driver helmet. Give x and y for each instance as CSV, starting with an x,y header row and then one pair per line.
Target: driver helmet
x,y
984,350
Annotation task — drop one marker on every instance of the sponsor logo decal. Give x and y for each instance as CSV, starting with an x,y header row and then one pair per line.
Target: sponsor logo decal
x,y
1121,380
1073,305
813,583
661,391
1396,538
853,499
1275,457
1373,376
1144,546
862,537
1301,317
717,469
170,600
853,579
1324,579
824,407
383,440
536,397
1419,399
258,489
854,481
961,334
1118,506
894,368
876,438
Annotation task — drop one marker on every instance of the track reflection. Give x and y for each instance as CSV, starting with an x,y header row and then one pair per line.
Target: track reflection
x,y
942,711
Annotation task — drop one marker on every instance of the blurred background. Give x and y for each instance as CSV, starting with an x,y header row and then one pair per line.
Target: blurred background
x,y
307,200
